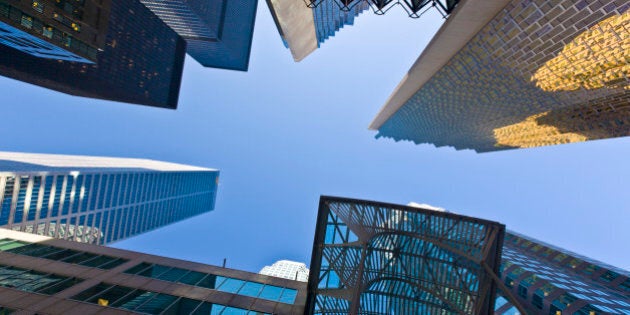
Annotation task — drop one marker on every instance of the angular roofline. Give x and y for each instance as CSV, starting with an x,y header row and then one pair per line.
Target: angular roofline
x,y
468,18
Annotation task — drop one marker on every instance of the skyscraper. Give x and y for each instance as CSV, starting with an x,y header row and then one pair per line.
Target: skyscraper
x,y
304,29
507,74
287,269
43,275
218,33
141,61
550,280
59,30
96,199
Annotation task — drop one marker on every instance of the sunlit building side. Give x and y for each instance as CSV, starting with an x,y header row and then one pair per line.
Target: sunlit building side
x,y
96,199
506,74
287,269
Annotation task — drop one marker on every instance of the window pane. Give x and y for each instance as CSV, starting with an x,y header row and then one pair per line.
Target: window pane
x,y
271,292
157,305
193,277
89,293
182,306
231,285
173,275
138,300
251,289
288,296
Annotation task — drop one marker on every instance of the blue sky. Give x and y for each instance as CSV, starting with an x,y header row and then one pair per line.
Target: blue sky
x,y
285,133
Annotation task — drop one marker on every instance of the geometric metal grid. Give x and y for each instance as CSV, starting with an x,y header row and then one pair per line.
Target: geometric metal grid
x,y
414,8
378,258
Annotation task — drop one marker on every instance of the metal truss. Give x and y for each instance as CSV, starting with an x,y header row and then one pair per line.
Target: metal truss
x,y
375,258
414,8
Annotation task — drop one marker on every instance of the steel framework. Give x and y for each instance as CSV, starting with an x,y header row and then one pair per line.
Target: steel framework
x,y
376,258
415,8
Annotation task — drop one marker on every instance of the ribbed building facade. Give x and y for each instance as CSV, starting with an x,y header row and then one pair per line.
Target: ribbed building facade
x,y
218,33
99,200
303,29
509,74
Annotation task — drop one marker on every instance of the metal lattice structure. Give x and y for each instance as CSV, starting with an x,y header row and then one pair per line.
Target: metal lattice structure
x,y
376,258
415,8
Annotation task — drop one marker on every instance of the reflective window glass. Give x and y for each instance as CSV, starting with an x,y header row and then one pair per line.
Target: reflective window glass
x,y
271,292
231,285
251,289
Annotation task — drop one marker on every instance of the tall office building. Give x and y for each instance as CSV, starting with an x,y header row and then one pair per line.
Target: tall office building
x,y
218,33
97,199
60,30
303,29
40,275
287,269
505,74
549,280
141,61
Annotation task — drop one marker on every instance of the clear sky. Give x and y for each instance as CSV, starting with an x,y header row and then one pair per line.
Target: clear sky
x,y
285,133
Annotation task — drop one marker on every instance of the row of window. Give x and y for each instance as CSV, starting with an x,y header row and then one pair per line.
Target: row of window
x,y
214,282
143,301
34,281
72,194
558,257
60,254
55,35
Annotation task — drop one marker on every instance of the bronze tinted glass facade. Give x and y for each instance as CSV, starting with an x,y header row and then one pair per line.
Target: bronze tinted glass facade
x,y
539,73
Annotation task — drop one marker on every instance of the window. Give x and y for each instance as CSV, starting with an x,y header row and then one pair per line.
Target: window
x,y
214,282
60,254
143,301
34,281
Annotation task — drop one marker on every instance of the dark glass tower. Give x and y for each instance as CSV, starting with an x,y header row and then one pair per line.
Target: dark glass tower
x,y
99,200
141,62
218,33
59,30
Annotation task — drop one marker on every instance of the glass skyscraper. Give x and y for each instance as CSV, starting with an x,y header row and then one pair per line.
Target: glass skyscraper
x,y
517,74
141,61
218,33
96,199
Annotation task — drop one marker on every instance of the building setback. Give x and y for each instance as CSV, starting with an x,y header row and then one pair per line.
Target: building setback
x,y
304,29
218,33
96,199
506,74
141,62
44,275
